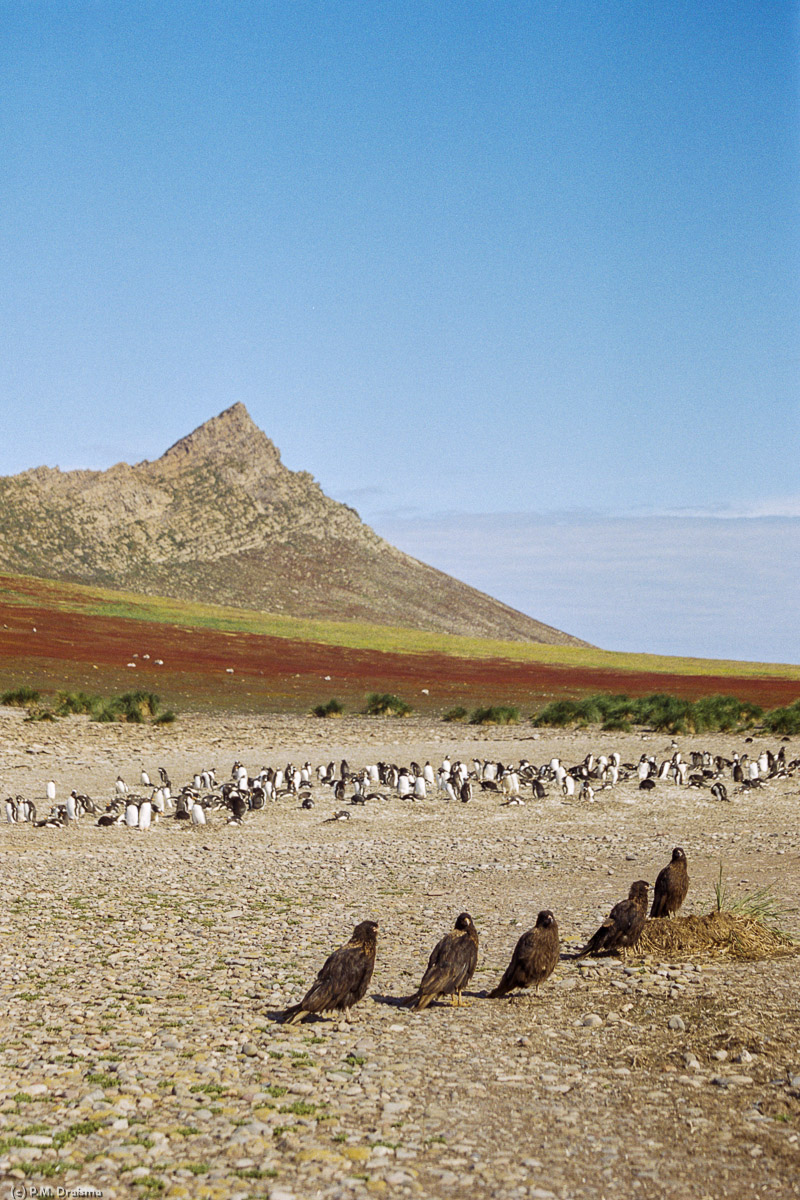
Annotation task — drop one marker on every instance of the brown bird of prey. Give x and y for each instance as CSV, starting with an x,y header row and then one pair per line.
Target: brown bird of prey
x,y
344,978
671,887
623,926
534,958
451,965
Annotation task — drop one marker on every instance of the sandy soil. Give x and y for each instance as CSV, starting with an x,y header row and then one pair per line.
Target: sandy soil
x,y
142,975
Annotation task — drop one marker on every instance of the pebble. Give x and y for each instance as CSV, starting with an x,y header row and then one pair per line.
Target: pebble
x,y
591,1020
677,1023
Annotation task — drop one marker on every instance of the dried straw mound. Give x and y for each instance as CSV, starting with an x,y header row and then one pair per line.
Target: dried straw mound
x,y
717,935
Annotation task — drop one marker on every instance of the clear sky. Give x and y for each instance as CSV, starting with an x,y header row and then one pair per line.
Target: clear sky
x,y
459,260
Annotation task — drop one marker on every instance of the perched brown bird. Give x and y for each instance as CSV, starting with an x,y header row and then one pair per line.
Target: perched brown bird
x,y
623,926
451,965
671,887
344,977
534,958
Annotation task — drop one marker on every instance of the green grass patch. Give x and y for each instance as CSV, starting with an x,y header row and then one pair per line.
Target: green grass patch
x,y
459,713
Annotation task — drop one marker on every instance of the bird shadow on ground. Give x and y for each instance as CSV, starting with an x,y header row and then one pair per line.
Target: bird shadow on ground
x,y
403,1001
391,1001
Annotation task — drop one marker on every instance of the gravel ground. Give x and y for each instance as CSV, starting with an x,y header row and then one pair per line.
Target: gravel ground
x,y
142,974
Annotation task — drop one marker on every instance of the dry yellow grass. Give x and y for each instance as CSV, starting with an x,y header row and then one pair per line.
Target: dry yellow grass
x,y
716,935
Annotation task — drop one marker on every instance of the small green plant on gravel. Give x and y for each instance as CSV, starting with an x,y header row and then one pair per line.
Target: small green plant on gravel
x,y
79,1129
150,1185
102,1079
495,714
333,708
762,905
384,704
40,1169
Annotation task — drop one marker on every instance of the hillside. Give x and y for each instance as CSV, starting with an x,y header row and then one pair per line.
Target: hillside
x,y
219,518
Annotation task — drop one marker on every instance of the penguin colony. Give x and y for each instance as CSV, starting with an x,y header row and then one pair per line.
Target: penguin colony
x,y
453,781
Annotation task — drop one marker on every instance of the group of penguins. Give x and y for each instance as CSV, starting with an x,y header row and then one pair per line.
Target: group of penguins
x,y
454,781
345,976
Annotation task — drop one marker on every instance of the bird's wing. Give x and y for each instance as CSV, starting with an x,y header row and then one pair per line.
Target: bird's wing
x,y
342,977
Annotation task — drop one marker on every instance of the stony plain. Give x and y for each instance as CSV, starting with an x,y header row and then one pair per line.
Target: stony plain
x,y
142,974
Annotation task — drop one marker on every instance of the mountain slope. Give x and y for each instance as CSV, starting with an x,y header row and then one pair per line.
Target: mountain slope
x,y
219,518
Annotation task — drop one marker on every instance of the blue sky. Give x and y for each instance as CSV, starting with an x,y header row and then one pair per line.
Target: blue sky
x,y
469,263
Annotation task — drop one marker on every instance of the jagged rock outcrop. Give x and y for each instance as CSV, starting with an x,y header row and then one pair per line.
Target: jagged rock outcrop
x,y
219,518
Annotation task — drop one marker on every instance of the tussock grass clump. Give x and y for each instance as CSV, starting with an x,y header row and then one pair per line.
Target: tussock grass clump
x,y
495,714
661,712
383,704
459,713
131,707
20,697
784,721
718,934
76,702
334,708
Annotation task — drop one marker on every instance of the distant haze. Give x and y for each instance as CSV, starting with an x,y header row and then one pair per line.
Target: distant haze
x,y
690,586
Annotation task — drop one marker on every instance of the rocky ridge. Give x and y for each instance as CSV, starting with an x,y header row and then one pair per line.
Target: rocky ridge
x,y
219,518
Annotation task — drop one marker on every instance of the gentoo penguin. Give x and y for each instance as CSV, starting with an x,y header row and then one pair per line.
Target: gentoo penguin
x,y
131,815
420,791
72,806
145,779
145,815
11,811
51,790
121,787
238,808
198,815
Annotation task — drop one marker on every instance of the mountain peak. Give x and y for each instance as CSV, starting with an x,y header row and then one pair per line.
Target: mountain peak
x,y
232,436
219,517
